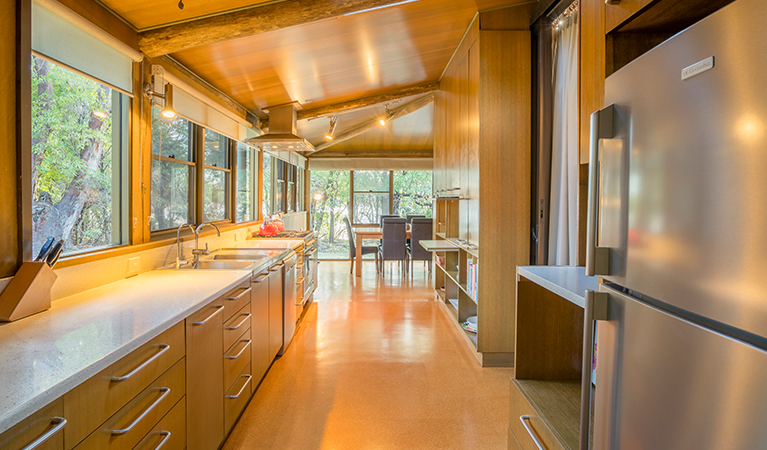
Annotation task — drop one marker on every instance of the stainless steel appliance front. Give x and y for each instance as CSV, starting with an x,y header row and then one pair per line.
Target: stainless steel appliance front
x,y
683,192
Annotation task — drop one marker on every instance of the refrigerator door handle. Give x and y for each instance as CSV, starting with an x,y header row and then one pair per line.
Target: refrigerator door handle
x,y
597,258
595,308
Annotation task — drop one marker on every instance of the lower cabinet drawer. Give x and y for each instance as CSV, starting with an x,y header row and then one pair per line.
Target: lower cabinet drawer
x,y
132,422
45,427
91,403
170,433
235,300
236,326
237,398
235,359
526,426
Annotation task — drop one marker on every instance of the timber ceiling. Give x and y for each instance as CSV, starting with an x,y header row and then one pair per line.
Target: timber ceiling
x,y
412,133
321,62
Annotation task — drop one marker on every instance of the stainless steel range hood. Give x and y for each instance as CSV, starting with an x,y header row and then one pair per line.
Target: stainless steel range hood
x,y
282,132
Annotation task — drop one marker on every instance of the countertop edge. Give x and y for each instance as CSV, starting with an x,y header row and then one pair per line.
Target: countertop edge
x,y
562,291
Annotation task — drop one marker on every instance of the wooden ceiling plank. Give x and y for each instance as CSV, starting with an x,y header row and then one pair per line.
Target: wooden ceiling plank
x,y
367,126
376,99
247,22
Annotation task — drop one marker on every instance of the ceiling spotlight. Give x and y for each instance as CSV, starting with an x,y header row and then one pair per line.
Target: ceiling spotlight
x,y
382,121
333,121
317,196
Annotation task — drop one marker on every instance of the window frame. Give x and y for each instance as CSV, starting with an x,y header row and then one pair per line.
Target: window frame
x,y
120,141
353,191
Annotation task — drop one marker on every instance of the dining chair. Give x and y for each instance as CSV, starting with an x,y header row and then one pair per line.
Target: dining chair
x,y
386,216
392,246
366,249
410,217
420,229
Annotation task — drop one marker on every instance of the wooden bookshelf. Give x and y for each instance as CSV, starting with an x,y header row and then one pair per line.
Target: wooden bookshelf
x,y
482,172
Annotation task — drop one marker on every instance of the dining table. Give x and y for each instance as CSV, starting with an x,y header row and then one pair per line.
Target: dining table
x,y
367,233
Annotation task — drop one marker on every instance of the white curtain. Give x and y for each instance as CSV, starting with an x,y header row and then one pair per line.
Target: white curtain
x,y
563,217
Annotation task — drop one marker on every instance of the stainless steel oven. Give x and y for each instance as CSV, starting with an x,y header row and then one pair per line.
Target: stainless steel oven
x,y
310,268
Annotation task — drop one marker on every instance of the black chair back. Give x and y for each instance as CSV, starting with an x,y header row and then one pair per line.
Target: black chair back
x,y
386,216
420,230
394,237
352,247
410,218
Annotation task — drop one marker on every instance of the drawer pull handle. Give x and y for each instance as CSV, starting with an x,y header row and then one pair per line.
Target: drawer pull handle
x,y
166,436
165,392
239,296
247,316
219,308
263,277
525,419
276,267
241,351
163,348
60,424
249,377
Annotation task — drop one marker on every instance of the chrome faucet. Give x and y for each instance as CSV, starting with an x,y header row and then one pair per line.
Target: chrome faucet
x,y
180,250
197,251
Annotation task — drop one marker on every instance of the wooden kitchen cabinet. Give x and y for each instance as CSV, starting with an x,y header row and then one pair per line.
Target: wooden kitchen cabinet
x,y
169,433
45,426
94,401
205,377
128,426
259,329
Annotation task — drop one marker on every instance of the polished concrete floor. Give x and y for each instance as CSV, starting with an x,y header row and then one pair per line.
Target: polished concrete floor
x,y
376,364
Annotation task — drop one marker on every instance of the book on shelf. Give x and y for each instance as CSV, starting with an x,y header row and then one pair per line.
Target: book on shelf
x,y
472,277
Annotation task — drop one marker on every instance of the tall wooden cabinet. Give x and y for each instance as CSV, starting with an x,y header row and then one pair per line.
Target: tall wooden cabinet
x,y
482,176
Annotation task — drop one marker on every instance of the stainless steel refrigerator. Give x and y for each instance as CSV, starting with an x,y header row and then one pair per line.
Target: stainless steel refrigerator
x,y
678,229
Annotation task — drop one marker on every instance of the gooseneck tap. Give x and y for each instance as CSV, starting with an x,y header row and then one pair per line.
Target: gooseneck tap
x,y
180,251
197,251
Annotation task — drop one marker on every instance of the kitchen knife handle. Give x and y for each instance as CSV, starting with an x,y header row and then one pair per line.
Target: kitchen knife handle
x,y
53,256
45,249
597,258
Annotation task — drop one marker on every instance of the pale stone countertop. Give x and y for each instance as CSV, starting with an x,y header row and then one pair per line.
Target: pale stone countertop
x,y
45,355
568,282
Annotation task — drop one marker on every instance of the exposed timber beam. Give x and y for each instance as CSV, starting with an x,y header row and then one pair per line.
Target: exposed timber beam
x,y
367,154
376,99
247,22
402,111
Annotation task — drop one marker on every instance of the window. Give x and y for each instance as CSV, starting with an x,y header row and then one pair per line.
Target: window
x,y
216,180
79,160
246,183
267,194
173,172
280,181
371,195
412,193
292,188
329,211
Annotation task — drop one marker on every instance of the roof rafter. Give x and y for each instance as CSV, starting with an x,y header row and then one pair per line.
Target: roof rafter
x,y
247,22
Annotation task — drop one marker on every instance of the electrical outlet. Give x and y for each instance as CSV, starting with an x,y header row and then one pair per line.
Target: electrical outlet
x,y
133,265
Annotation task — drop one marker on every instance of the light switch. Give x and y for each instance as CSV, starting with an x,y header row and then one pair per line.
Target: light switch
x,y
133,265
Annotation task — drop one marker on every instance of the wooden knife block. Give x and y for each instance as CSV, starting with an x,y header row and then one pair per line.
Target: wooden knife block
x,y
29,292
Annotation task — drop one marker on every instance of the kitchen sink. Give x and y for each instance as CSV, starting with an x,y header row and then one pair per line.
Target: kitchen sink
x,y
217,264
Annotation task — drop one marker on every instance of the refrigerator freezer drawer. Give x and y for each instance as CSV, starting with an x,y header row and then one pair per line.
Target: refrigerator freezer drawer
x,y
666,383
